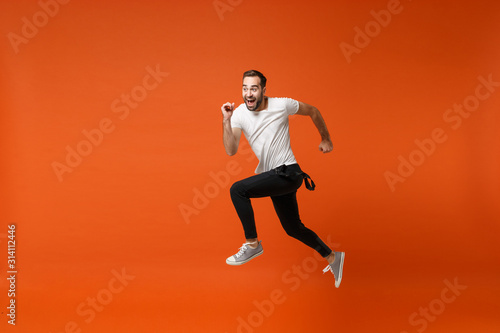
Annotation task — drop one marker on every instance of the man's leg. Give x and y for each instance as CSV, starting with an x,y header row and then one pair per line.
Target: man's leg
x,y
261,185
258,186
283,191
288,212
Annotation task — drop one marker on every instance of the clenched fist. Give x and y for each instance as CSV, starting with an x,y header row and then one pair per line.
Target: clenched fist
x,y
227,110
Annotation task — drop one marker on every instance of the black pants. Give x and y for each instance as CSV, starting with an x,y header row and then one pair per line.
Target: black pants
x,y
283,192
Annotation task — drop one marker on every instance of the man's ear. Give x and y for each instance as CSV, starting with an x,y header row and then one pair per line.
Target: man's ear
x,y
264,91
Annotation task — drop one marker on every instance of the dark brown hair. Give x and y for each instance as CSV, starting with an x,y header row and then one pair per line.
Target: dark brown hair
x,y
253,72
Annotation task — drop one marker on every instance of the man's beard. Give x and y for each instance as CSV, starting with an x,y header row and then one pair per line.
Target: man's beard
x,y
257,104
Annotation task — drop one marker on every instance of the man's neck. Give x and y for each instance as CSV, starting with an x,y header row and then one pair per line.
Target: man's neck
x,y
263,106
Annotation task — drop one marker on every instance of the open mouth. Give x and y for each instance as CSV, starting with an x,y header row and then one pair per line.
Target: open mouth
x,y
250,102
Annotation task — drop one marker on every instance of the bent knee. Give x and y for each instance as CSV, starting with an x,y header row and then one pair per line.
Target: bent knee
x,y
237,189
294,233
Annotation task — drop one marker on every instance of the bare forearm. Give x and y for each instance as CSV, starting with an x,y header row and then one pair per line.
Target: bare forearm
x,y
228,137
320,124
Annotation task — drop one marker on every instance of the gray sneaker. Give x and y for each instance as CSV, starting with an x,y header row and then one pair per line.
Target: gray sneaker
x,y
245,254
336,267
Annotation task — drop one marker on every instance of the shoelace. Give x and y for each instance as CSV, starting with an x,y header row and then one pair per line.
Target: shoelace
x,y
327,268
242,250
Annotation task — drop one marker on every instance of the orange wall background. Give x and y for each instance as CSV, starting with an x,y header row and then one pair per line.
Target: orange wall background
x,y
131,235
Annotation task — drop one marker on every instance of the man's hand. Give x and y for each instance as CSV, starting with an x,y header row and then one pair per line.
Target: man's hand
x,y
227,110
326,146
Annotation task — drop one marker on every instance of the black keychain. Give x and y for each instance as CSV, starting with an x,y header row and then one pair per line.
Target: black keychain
x,y
282,171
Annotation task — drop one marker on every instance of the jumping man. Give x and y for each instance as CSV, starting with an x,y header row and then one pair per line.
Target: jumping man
x,y
264,121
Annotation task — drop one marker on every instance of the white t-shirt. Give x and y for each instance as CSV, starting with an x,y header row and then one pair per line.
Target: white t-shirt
x,y
267,131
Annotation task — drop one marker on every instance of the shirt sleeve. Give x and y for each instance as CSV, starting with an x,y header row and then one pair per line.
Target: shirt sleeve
x,y
291,106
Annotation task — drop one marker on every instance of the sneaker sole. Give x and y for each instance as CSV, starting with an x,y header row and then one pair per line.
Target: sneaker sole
x,y
237,263
341,268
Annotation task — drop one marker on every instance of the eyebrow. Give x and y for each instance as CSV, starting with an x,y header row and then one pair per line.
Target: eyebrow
x,y
253,85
